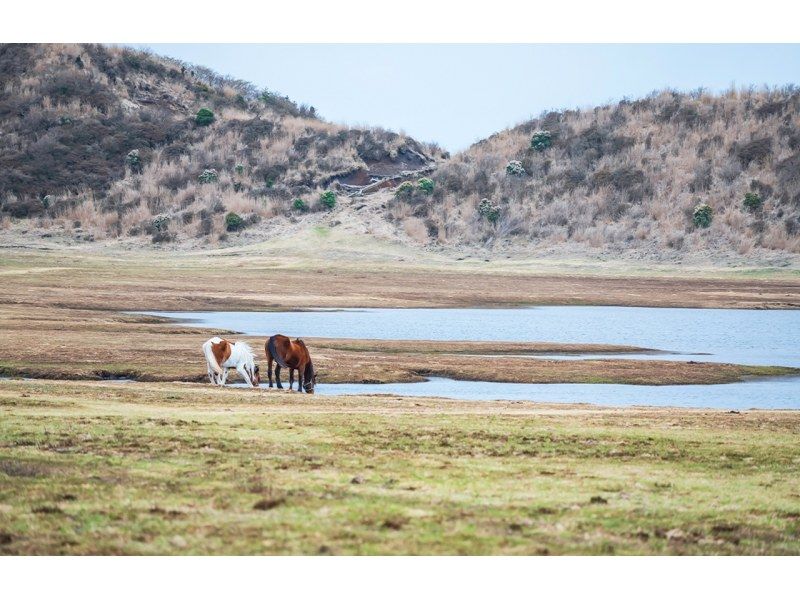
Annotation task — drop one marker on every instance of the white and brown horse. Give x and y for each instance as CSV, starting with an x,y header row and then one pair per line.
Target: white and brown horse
x,y
222,355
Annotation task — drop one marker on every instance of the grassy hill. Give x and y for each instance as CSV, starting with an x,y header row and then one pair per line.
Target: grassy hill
x,y
110,143
631,174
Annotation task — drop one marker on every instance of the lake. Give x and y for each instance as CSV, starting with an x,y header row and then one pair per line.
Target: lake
x,y
754,337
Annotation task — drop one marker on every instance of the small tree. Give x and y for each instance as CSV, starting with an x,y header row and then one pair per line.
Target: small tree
x,y
134,160
752,202
541,140
515,168
209,175
328,200
489,210
204,117
425,185
404,190
299,205
233,222
702,216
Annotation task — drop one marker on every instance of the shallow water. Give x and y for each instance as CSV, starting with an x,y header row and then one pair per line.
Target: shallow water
x,y
754,337
769,337
771,393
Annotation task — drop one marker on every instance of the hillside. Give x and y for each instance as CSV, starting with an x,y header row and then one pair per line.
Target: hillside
x,y
108,141
630,175
109,144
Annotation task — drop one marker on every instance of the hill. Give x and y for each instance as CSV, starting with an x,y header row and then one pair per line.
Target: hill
x,y
108,143
112,141
630,175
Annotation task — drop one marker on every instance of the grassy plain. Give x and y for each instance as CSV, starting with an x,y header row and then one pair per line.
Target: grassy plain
x,y
177,468
168,466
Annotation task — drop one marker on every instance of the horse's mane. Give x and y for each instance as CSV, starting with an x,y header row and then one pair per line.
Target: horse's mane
x,y
309,371
246,349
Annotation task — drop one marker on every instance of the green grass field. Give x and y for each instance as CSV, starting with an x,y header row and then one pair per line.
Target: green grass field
x,y
169,468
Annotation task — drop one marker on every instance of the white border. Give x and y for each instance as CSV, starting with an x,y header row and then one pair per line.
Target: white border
x,y
156,21
402,577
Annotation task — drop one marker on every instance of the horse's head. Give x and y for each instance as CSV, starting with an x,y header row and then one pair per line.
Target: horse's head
x,y
256,375
309,384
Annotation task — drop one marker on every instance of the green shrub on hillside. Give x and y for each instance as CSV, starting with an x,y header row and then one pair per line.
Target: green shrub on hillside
x,y
328,200
209,175
515,168
134,160
299,205
239,168
204,117
752,201
233,222
404,190
702,216
425,185
489,210
541,140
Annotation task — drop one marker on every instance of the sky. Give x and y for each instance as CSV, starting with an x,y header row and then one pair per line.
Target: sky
x,y
457,94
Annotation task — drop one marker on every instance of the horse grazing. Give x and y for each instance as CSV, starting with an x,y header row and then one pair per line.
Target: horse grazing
x,y
221,355
292,354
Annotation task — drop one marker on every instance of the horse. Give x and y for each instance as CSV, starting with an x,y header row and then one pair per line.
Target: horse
x,y
221,355
292,354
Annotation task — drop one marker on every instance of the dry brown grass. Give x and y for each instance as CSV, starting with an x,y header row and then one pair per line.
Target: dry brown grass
x,y
629,175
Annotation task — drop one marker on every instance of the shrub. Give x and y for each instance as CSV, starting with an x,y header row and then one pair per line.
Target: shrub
x,y
541,140
752,201
134,160
239,168
233,222
328,200
489,210
425,185
515,168
299,205
702,215
204,117
209,175
404,190
160,223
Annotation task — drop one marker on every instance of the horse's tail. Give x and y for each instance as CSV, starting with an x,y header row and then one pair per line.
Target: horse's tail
x,y
273,351
212,361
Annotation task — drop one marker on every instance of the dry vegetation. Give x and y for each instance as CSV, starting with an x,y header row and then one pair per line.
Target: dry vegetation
x,y
621,177
71,114
630,174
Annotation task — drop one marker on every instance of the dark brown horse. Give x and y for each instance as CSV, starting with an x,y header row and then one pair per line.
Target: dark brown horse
x,y
291,354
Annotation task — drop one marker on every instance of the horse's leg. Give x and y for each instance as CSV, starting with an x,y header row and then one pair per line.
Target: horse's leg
x,y
278,376
269,368
291,378
211,375
243,373
300,378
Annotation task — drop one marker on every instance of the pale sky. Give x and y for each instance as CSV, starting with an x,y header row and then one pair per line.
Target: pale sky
x,y
457,94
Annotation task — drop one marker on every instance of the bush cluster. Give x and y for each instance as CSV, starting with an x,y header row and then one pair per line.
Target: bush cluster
x,y
209,175
404,190
752,201
134,160
515,168
328,200
425,185
299,205
233,222
489,210
204,117
541,140
702,215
